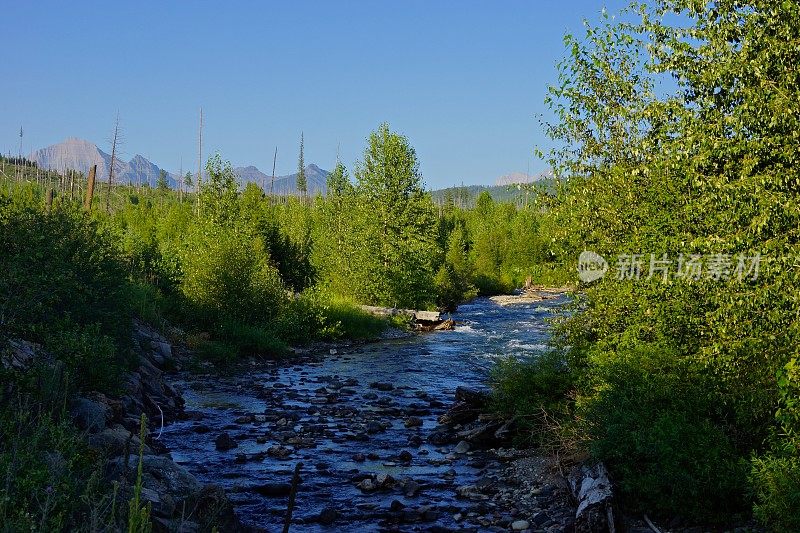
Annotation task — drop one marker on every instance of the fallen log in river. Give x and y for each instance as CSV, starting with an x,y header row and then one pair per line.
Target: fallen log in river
x,y
422,320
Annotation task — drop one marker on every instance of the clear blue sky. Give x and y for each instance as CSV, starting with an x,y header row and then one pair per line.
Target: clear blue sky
x,y
463,80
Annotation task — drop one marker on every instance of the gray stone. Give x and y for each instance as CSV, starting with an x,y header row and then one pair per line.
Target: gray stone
x,y
520,525
279,451
374,427
90,415
367,485
462,447
116,440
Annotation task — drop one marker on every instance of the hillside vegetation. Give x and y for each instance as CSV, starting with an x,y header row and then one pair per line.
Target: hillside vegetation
x,y
239,272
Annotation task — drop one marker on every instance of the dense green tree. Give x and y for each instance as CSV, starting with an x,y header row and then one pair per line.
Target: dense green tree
x,y
454,277
162,185
219,193
399,237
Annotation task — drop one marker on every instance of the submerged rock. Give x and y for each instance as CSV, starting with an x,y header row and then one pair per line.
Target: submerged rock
x,y
328,516
273,490
224,442
412,421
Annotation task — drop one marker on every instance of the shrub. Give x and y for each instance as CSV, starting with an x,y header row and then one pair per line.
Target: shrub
x,y
346,319
63,285
303,319
650,418
227,276
775,478
50,478
532,390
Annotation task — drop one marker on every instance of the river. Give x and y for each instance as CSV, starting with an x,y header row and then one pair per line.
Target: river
x,y
345,414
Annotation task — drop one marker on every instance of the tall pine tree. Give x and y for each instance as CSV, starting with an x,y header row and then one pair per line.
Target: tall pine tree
x,y
399,232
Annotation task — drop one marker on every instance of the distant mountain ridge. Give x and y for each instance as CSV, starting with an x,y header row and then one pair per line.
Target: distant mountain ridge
x,y
80,154
316,180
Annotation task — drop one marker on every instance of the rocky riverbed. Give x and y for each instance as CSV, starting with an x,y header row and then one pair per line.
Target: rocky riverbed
x,y
369,425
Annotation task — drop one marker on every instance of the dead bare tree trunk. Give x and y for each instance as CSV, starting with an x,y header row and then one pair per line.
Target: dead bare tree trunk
x,y
87,202
113,163
199,161
180,183
272,182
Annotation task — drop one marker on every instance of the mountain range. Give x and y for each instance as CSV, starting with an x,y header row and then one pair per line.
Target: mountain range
x,y
316,180
80,155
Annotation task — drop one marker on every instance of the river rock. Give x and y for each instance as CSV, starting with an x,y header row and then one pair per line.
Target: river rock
x,y
412,421
396,506
405,456
273,490
520,525
384,387
411,488
224,442
461,447
171,482
328,516
374,427
367,485
279,451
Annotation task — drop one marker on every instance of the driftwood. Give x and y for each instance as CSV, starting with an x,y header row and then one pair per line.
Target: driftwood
x,y
292,495
591,488
423,320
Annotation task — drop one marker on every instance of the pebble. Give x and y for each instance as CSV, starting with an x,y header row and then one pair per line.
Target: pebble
x,y
520,525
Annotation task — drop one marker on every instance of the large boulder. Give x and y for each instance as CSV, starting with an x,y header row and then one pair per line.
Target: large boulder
x,y
91,415
116,440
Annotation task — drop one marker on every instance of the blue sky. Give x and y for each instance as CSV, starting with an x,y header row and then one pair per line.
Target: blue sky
x,y
463,80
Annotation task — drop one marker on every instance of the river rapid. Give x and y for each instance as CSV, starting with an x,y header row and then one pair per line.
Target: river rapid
x,y
351,413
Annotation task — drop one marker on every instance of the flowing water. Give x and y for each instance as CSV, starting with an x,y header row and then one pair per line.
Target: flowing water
x,y
349,414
